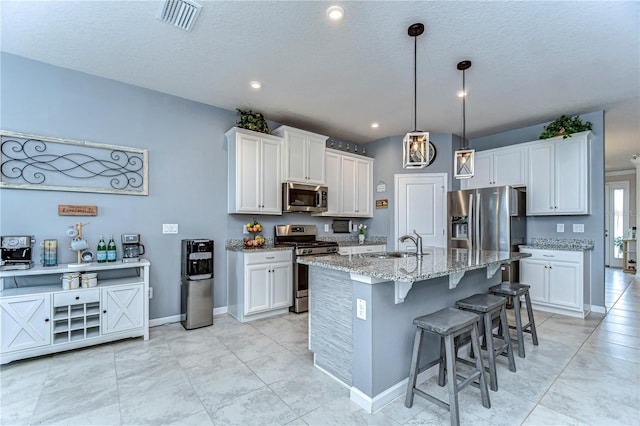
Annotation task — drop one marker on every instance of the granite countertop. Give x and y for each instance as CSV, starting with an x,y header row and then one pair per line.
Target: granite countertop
x,y
568,244
352,240
238,245
437,262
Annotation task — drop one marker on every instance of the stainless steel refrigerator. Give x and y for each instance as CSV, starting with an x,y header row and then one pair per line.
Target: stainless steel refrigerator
x,y
488,219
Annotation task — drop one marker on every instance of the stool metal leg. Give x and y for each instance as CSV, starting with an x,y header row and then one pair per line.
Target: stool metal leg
x,y
452,379
519,332
488,337
413,372
507,339
475,343
532,323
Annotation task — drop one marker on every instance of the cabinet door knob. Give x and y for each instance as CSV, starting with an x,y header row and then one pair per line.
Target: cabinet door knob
x,y
46,320
104,312
77,297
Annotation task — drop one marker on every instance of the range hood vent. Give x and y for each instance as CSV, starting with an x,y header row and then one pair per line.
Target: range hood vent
x,y
181,13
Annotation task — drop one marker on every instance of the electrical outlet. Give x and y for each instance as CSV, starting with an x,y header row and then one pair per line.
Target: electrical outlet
x,y
578,227
169,228
361,309
150,292
326,227
560,227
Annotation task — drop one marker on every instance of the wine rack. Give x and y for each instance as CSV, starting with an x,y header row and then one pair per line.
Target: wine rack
x,y
76,322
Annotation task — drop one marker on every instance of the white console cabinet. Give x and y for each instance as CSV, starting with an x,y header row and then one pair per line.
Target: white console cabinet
x,y
559,280
260,283
37,317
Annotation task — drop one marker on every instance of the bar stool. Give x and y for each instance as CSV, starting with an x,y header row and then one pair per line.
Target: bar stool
x,y
447,323
513,291
488,306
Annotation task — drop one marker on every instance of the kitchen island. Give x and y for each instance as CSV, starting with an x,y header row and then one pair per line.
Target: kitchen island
x,y
362,308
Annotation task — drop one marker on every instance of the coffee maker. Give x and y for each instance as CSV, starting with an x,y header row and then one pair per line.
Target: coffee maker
x,y
131,248
16,252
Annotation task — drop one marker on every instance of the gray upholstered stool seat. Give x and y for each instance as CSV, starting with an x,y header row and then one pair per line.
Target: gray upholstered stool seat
x,y
513,292
489,306
447,323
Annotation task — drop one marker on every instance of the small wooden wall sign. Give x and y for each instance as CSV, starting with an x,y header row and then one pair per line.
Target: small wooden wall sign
x,y
382,204
68,210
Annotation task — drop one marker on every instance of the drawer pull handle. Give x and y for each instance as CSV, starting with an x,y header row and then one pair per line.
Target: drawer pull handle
x,y
270,257
548,255
77,297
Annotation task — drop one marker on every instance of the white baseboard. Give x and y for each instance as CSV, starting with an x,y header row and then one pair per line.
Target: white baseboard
x,y
371,405
598,309
177,318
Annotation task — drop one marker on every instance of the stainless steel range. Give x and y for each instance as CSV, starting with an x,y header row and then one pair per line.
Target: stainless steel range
x,y
303,239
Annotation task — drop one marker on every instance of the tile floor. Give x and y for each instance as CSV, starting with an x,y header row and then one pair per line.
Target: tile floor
x,y
584,372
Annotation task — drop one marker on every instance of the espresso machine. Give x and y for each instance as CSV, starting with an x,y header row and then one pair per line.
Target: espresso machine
x,y
131,248
15,252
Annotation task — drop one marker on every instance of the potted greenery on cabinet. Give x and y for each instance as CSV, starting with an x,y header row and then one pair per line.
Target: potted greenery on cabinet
x,y
252,121
564,126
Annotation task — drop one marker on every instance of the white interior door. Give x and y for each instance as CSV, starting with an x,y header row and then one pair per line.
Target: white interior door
x,y
617,221
421,204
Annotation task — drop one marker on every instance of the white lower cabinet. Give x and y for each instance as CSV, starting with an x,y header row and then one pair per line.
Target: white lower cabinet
x,y
122,308
25,322
42,319
260,284
360,249
559,280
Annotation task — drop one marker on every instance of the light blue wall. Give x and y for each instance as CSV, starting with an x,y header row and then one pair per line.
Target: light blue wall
x,y
187,169
388,155
545,226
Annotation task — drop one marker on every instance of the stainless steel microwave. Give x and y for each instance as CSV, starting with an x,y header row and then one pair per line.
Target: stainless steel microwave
x,y
299,197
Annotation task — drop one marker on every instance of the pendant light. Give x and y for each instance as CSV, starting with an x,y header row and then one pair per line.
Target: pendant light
x,y
463,159
415,145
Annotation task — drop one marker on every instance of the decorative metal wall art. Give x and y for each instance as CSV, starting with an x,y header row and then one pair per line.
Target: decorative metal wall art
x,y
54,164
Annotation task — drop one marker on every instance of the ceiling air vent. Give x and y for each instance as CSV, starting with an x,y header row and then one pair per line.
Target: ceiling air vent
x,y
181,13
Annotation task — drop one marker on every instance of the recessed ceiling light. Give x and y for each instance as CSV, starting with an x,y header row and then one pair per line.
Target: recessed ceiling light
x,y
462,93
255,84
374,125
335,13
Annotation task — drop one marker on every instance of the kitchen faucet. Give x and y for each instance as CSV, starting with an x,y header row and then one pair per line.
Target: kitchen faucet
x,y
417,240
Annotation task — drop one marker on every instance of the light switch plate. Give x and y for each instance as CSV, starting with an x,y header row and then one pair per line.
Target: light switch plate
x,y
578,227
169,228
326,227
361,309
560,227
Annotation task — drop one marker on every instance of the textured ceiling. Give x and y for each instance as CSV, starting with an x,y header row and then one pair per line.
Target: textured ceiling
x,y
532,60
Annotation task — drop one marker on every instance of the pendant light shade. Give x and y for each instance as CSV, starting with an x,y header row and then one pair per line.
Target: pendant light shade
x,y
463,164
416,148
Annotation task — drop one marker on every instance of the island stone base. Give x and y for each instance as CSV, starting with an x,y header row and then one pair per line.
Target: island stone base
x,y
372,355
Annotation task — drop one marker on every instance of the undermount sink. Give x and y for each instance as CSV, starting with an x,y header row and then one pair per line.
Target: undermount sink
x,y
391,255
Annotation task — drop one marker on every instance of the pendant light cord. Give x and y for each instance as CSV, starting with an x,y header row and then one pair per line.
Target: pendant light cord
x,y
415,83
464,118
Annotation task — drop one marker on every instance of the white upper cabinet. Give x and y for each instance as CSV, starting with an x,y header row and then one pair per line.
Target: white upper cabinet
x,y
498,167
302,155
558,176
350,184
254,185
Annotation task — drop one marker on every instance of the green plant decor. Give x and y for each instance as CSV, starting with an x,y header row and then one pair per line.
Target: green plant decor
x,y
617,241
252,121
565,126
